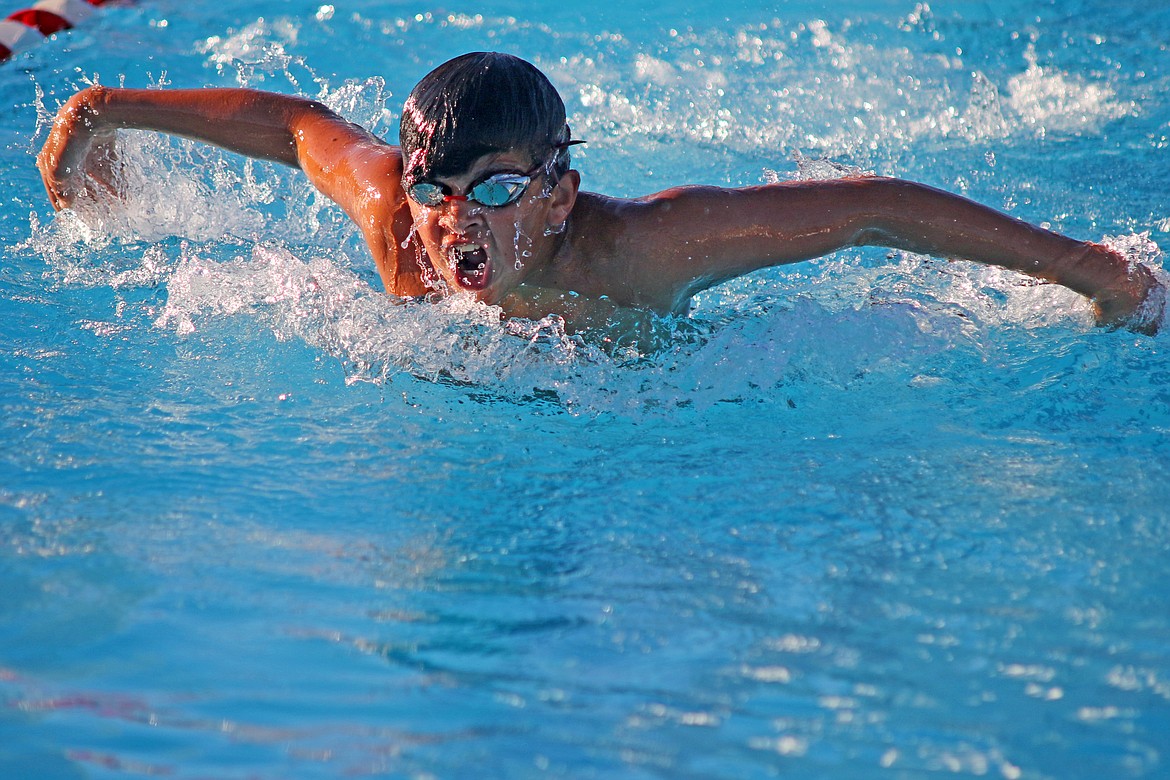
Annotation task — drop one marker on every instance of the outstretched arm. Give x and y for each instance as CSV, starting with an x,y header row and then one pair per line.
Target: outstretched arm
x,y
351,166
264,125
756,227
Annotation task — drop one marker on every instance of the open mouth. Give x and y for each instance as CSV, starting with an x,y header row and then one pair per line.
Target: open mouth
x,y
472,268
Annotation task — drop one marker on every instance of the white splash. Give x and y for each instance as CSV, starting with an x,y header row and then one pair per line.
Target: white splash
x,y
1049,100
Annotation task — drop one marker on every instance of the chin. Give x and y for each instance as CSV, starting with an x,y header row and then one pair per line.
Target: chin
x,y
477,282
490,297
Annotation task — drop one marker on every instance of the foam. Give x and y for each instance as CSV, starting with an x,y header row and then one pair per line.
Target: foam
x,y
741,346
807,86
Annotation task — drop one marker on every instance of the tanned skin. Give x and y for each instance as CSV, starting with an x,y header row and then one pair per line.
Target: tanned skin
x,y
650,253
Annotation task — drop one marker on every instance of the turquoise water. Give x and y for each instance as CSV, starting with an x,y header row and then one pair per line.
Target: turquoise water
x,y
871,516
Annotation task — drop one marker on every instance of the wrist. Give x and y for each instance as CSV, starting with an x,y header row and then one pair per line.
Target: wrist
x,y
1094,269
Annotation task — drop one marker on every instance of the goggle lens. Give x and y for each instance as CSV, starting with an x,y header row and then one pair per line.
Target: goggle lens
x,y
501,189
426,194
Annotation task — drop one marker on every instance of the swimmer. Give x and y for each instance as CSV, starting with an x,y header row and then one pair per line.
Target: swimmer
x,y
480,198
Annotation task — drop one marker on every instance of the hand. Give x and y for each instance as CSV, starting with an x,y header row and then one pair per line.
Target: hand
x,y
1140,305
79,156
1137,302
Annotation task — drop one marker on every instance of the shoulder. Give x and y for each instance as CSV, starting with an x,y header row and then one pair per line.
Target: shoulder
x,y
350,165
629,249
656,223
692,209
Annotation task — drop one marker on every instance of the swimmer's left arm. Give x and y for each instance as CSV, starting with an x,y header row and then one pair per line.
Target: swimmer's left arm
x,y
707,234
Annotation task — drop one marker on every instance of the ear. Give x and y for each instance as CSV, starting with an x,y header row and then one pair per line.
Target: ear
x,y
564,195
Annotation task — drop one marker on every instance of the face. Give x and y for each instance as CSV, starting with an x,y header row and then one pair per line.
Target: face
x,y
489,251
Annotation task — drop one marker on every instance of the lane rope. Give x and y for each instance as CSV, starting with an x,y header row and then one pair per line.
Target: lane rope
x,y
24,29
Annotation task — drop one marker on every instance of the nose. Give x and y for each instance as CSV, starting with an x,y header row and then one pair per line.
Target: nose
x,y
460,214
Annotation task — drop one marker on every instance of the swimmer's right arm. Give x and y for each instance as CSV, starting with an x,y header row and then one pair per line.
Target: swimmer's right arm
x,y
287,129
348,164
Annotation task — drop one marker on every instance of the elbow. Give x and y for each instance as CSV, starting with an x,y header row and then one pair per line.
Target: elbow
x,y
875,201
872,235
885,208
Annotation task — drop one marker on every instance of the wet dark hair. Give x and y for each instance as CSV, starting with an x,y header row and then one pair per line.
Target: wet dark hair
x,y
477,104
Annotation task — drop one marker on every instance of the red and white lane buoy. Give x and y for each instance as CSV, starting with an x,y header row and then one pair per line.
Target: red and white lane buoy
x,y
27,27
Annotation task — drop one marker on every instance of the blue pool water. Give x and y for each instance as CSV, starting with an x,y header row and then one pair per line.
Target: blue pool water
x,y
872,516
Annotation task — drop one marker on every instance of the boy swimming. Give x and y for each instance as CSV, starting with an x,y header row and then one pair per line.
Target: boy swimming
x,y
480,198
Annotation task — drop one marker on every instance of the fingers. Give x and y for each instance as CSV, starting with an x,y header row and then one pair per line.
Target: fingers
x,y
103,165
49,161
53,186
78,156
1137,305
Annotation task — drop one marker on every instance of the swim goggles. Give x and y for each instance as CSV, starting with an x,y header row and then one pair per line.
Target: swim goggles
x,y
494,191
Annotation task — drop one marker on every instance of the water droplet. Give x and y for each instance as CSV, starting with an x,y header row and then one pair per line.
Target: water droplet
x,y
410,235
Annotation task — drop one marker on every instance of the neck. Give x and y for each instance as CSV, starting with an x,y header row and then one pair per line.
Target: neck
x,y
555,251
